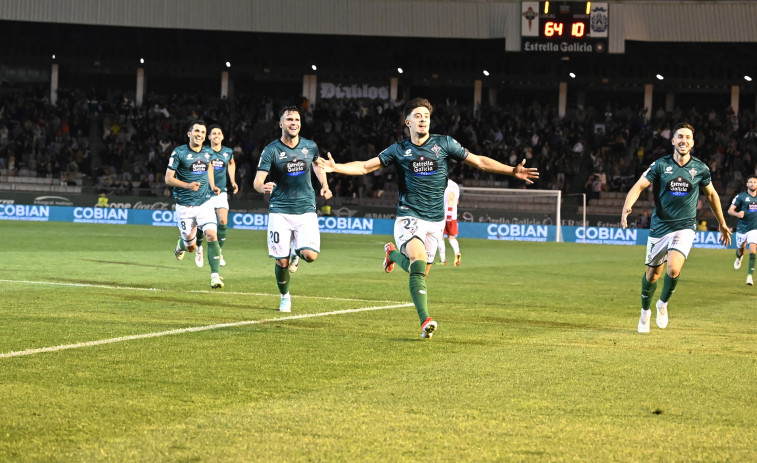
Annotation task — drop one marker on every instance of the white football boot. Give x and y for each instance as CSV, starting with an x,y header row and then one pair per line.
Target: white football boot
x,y
644,321
662,314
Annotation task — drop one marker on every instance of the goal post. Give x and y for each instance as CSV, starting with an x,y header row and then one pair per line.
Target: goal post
x,y
511,206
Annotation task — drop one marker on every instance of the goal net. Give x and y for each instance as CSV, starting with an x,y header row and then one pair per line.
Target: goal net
x,y
510,206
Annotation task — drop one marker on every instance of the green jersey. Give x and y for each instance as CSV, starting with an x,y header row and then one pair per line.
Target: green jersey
x,y
191,166
422,173
747,203
676,190
220,160
289,168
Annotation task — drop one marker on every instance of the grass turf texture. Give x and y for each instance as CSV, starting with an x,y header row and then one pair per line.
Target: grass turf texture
x,y
537,357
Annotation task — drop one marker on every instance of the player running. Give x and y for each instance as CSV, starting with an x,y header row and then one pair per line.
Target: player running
x,y
677,179
222,162
423,164
451,198
293,231
191,178
744,206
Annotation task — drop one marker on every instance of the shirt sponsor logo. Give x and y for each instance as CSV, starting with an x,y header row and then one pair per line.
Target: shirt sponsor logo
x,y
218,164
423,166
295,168
199,167
680,187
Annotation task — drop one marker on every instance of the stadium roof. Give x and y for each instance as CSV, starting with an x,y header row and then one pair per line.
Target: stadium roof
x,y
649,21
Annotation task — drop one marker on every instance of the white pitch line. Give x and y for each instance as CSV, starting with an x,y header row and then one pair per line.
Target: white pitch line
x,y
196,291
191,329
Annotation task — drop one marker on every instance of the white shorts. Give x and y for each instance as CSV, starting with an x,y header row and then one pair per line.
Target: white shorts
x,y
749,237
191,217
220,201
283,229
406,228
657,248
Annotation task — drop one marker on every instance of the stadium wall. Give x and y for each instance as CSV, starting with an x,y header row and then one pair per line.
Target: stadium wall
x,y
347,225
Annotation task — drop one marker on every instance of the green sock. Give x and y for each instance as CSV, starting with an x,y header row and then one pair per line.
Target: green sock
x,y
418,288
647,291
752,258
221,235
399,258
200,234
739,252
182,246
668,287
282,279
214,253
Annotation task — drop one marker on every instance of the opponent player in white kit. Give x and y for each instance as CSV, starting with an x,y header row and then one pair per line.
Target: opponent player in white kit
x,y
451,198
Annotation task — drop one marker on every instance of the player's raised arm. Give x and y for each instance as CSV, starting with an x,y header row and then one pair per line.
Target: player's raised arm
x,y
487,164
350,168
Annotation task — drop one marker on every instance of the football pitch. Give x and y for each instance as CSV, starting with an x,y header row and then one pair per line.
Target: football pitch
x,y
111,350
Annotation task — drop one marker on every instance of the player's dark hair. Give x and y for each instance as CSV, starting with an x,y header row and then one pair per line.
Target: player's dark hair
x,y
214,126
417,103
195,122
682,125
290,108
751,177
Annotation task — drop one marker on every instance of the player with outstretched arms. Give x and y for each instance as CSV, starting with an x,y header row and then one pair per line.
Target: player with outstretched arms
x,y
744,206
421,162
677,179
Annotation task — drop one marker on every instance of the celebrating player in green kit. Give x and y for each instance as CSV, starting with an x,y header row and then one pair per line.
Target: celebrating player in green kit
x,y
190,176
423,164
222,161
292,222
677,179
744,206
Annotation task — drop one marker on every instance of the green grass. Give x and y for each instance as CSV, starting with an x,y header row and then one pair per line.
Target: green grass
x,y
536,357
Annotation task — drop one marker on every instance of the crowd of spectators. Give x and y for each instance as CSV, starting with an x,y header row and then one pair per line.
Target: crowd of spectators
x,y
120,148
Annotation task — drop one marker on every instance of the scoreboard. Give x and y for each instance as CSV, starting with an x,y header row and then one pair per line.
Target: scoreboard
x,y
564,27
